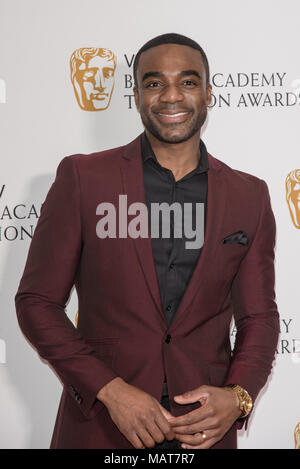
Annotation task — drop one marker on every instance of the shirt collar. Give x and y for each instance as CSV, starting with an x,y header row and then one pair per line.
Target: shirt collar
x,y
148,153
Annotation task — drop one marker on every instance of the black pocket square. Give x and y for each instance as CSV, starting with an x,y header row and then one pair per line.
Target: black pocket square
x,y
239,237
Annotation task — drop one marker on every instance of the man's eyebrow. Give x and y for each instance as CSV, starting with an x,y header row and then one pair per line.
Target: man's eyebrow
x,y
151,74
190,72
184,73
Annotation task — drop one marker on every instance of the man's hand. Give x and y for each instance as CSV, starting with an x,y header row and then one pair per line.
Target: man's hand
x,y
219,410
138,415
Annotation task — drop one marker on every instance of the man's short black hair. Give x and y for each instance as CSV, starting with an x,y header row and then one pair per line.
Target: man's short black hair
x,y
170,38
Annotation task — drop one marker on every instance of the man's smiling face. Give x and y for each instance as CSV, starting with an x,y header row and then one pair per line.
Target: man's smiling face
x,y
171,93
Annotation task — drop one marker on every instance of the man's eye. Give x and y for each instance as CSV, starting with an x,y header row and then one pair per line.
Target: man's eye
x,y
153,84
190,83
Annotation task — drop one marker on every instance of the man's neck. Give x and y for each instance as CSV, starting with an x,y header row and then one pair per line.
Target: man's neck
x,y
180,158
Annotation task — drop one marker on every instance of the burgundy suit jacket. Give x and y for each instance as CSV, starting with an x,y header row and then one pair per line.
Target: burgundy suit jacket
x,y
122,328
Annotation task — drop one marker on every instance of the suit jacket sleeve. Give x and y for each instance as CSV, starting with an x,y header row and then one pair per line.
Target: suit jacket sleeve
x,y
255,309
45,287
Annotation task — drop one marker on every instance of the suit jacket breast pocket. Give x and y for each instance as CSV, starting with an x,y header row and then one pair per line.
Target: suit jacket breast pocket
x,y
232,253
239,237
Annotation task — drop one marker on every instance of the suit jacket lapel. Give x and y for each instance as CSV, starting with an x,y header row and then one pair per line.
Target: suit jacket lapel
x,y
133,183
216,203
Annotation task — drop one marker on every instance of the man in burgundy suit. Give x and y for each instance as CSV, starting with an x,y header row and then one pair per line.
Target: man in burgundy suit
x,y
150,364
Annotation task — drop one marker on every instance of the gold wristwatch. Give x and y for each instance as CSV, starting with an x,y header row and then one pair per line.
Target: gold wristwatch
x,y
244,398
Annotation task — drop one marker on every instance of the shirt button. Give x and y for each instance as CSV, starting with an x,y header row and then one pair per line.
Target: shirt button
x,y
168,339
168,308
171,265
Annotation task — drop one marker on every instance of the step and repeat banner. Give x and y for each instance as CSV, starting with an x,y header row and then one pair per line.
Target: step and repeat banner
x,y
50,109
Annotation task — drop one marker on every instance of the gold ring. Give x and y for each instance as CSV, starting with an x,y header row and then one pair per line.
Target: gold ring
x,y
204,436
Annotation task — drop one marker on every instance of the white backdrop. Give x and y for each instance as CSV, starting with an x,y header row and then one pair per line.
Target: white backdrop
x,y
253,50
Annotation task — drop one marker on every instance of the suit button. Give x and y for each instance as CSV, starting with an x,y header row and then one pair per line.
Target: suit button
x,y
168,339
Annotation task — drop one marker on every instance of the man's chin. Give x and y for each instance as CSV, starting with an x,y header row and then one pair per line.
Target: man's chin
x,y
172,137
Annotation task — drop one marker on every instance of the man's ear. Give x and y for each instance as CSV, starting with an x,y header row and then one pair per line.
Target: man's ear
x,y
208,94
136,97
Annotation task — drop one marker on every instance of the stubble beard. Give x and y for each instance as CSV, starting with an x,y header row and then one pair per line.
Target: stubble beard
x,y
195,126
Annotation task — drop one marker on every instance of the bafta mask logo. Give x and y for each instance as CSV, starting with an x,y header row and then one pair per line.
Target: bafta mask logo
x,y
93,77
292,185
297,436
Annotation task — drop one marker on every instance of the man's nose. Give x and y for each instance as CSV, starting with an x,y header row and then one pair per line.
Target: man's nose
x,y
171,94
99,80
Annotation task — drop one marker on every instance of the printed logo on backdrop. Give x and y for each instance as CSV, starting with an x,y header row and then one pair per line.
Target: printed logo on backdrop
x,y
288,345
93,77
247,90
242,90
289,342
93,71
292,186
17,220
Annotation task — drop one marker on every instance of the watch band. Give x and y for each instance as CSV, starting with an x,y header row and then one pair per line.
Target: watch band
x,y
245,399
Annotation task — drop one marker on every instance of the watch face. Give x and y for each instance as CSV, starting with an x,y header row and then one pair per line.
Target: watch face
x,y
244,398
245,401
247,404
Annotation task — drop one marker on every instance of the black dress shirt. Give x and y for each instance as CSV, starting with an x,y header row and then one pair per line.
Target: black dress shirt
x,y
173,261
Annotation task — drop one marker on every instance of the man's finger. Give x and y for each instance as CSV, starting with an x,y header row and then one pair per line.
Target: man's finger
x,y
145,437
162,421
197,415
155,431
194,440
136,441
196,395
165,412
197,427
206,445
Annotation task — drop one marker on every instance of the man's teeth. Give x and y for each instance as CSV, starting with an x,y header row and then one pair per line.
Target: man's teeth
x,y
173,115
